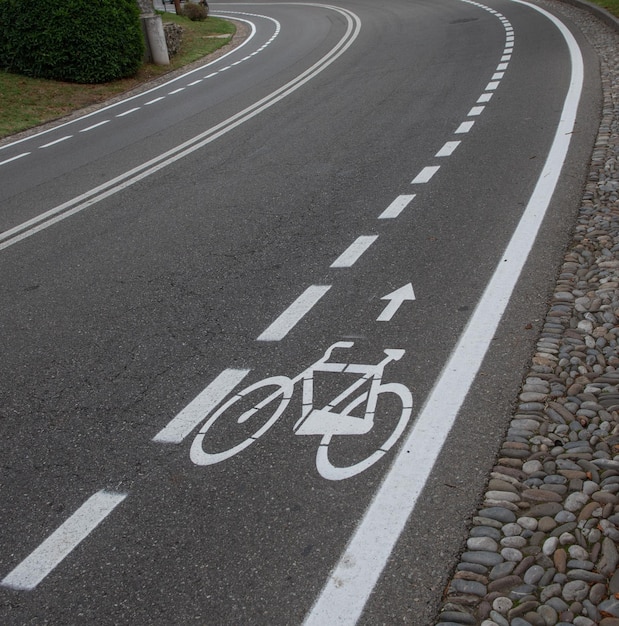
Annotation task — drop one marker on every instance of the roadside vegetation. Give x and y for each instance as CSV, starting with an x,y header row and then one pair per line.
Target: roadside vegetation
x,y
26,102
612,6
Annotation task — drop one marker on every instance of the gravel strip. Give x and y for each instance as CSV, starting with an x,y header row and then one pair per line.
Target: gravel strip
x,y
543,547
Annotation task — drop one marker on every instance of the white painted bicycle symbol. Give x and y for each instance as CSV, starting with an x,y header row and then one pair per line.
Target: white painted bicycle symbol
x,y
329,422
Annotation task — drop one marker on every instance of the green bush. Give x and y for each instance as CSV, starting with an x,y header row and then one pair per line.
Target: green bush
x,y
82,41
195,12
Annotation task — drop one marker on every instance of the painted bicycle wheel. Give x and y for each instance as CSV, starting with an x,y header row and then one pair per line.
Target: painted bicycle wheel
x,y
334,470
242,420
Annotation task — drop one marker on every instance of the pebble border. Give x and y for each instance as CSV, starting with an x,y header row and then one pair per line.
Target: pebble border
x,y
543,548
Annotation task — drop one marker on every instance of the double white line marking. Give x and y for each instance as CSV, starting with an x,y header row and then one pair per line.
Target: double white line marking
x,y
113,186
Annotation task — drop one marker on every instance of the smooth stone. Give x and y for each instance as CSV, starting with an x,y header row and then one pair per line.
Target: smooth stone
x,y
598,591
557,603
548,614
565,517
610,606
457,617
575,501
499,514
560,560
507,582
482,558
578,552
550,545
502,604
482,543
533,574
550,591
575,590
486,531
498,619
586,576
501,570
512,530
513,542
474,588
546,524
549,509
511,554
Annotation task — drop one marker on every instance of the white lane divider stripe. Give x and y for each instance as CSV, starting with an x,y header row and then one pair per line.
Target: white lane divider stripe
x,y
476,111
492,85
18,156
53,143
353,253
465,127
425,175
32,570
485,97
154,100
199,408
448,149
133,110
294,313
396,207
89,128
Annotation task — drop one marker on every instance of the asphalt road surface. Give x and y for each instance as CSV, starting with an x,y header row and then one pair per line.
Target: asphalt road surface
x,y
263,326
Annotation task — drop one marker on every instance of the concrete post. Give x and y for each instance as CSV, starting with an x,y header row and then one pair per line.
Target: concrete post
x,y
154,37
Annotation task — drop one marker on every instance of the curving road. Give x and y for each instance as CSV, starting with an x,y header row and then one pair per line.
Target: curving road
x,y
393,182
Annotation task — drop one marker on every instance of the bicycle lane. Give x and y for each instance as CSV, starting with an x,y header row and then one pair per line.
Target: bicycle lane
x,y
256,469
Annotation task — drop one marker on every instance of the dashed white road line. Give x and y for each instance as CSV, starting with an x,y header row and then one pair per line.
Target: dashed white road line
x,y
396,207
353,253
425,175
53,143
465,127
18,156
448,149
89,128
196,411
32,570
128,112
294,313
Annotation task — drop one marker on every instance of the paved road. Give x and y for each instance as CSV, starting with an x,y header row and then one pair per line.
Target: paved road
x,y
358,177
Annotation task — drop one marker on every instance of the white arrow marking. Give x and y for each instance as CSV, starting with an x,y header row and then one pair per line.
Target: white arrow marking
x,y
396,298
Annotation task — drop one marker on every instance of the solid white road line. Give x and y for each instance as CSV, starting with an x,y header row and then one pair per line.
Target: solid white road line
x,y
352,254
32,570
351,582
199,408
396,207
294,313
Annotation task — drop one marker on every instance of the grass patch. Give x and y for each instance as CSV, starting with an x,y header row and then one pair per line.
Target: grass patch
x,y
26,102
612,6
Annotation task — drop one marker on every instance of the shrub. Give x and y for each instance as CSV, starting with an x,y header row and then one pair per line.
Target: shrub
x,y
73,40
195,12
